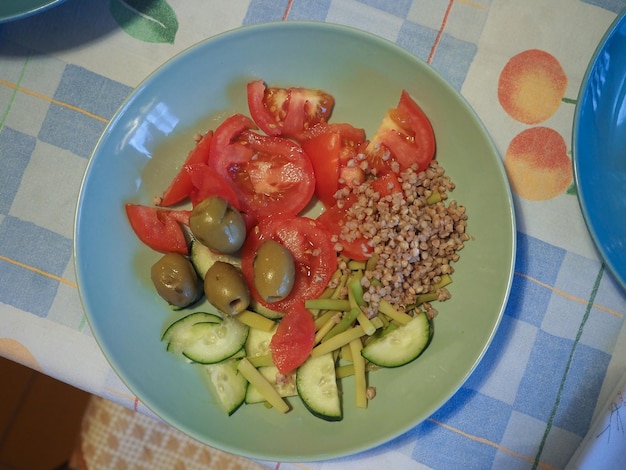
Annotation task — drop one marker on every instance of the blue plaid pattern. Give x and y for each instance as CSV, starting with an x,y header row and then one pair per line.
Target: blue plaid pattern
x,y
539,380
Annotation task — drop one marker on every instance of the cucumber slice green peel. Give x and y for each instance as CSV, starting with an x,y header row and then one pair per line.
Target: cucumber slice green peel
x,y
206,338
401,345
227,384
316,383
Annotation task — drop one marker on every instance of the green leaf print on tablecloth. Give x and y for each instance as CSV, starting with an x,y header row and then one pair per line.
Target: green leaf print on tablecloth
x,y
146,20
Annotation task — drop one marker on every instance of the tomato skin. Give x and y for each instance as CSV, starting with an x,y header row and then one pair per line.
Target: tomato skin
x,y
386,184
323,150
331,148
287,112
259,111
208,182
269,174
293,341
407,134
160,229
348,133
311,248
225,145
333,219
181,186
422,128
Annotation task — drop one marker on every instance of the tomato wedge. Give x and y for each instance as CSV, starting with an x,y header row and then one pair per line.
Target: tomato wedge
x,y
180,188
332,149
386,184
225,145
270,175
311,248
323,150
405,135
208,182
293,341
287,111
160,229
333,219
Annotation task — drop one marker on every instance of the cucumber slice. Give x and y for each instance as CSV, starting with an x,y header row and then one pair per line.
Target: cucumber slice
x,y
226,383
203,258
316,383
258,342
401,345
182,331
263,310
206,342
284,389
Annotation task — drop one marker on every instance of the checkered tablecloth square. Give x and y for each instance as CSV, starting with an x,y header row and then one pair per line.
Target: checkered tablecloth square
x,y
560,347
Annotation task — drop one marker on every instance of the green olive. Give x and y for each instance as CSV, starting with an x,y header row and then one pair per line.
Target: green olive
x,y
274,271
218,225
176,280
226,289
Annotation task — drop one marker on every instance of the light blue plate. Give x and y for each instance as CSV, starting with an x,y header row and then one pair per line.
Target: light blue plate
x,y
148,139
11,10
599,148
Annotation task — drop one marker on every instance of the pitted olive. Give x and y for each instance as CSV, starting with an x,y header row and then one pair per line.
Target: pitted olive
x,y
274,271
226,289
218,225
176,280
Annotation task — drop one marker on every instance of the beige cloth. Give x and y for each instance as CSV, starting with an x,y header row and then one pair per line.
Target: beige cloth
x,y
115,438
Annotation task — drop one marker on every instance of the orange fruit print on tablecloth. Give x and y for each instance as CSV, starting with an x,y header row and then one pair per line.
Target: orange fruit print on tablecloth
x,y
537,164
531,86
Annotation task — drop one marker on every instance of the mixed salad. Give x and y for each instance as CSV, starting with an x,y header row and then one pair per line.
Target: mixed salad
x,y
300,302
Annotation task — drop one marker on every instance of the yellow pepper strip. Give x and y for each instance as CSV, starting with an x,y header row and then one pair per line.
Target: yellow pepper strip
x,y
360,382
346,370
331,290
340,286
338,341
254,320
261,361
328,304
356,265
321,320
343,371
347,320
346,353
386,308
330,323
434,198
365,322
264,387
371,263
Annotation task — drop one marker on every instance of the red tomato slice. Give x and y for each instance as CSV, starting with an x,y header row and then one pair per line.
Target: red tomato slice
x,y
181,187
406,134
386,184
350,135
310,246
208,182
287,111
293,341
331,147
323,150
225,145
333,219
160,229
270,175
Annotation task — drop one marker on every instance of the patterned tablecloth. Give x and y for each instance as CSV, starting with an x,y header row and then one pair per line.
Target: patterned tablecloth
x,y
560,349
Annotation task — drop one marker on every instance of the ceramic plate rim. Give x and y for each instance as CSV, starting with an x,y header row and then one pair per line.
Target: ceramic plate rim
x,y
580,177
510,241
20,13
